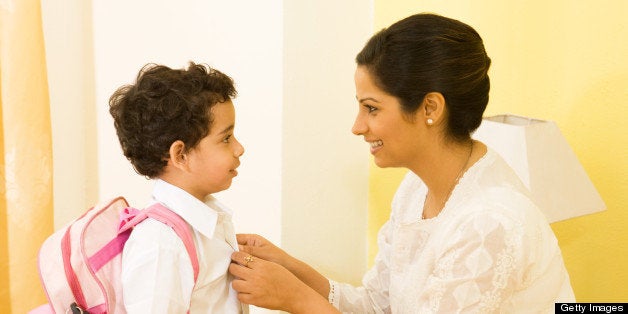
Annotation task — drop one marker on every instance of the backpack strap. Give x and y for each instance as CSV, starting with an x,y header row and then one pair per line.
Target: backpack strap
x,y
131,217
161,213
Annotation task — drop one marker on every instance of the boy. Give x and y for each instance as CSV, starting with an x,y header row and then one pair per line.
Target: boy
x,y
176,126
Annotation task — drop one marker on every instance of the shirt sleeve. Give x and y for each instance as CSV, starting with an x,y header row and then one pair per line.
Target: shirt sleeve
x,y
157,275
372,296
478,268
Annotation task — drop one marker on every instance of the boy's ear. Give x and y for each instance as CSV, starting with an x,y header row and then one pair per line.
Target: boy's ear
x,y
178,157
433,109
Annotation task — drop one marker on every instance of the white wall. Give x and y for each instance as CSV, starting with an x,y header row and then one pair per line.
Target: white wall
x,y
68,39
243,41
325,167
303,178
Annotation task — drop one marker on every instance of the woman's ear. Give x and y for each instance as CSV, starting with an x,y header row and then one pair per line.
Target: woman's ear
x,y
178,157
433,109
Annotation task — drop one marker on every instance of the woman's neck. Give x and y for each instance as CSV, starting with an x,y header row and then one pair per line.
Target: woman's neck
x,y
442,170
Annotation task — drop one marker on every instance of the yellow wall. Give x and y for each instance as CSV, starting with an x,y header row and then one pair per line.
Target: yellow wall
x,y
564,61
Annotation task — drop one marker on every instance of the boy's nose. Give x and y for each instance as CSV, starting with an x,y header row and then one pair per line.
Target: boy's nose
x,y
239,151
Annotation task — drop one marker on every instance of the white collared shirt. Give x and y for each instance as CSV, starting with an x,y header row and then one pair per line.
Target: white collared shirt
x,y
157,274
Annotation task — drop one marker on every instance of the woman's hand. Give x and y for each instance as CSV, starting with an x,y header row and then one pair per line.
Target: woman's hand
x,y
270,285
257,245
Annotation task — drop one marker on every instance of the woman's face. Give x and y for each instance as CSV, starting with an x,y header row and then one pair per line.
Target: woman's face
x,y
393,137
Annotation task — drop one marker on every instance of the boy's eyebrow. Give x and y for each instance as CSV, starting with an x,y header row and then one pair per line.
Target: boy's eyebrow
x,y
226,130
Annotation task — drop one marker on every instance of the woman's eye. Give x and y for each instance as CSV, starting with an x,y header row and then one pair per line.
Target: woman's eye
x,y
370,108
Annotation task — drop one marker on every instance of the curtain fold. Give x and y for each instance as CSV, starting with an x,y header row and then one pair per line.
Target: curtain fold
x,y
26,207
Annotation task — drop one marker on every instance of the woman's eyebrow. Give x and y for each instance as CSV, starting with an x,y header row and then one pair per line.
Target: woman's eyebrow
x,y
366,98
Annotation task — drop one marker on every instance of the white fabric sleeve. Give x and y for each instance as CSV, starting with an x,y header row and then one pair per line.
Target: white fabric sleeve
x,y
372,296
157,275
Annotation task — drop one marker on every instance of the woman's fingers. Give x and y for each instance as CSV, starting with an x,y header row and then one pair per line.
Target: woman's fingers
x,y
259,282
258,246
247,243
247,282
252,244
243,273
247,249
241,286
244,259
239,271
248,239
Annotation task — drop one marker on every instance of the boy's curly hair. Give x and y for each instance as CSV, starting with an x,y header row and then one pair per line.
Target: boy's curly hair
x,y
163,106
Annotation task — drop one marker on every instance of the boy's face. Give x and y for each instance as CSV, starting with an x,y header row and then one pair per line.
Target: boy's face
x,y
213,162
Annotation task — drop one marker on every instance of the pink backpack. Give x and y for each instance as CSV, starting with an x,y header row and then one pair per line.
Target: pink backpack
x,y
80,265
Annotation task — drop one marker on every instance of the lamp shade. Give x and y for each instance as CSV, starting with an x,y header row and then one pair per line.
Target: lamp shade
x,y
541,156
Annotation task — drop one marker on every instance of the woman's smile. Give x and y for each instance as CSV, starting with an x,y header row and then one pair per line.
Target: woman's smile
x,y
375,145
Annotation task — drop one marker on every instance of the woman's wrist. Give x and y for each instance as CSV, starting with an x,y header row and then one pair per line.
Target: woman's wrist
x,y
308,275
310,301
290,263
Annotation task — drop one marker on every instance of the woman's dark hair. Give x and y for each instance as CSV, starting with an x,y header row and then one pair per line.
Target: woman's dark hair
x,y
427,53
163,106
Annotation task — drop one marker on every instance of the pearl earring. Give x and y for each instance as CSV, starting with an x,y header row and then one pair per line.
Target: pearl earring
x,y
430,121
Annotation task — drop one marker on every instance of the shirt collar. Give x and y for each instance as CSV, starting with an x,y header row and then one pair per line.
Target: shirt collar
x,y
202,216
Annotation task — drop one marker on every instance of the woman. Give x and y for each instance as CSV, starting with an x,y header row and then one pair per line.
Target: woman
x,y
463,235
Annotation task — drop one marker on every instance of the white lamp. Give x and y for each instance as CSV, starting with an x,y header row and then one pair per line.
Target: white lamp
x,y
540,155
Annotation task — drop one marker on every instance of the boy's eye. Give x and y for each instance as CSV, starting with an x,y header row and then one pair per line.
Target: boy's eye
x,y
226,139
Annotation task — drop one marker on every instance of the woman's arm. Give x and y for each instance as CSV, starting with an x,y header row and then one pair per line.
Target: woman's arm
x,y
373,297
270,285
258,246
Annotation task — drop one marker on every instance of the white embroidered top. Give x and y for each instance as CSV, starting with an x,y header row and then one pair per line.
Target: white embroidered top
x,y
489,250
157,274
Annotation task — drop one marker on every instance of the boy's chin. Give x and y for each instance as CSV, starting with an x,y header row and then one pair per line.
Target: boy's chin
x,y
226,186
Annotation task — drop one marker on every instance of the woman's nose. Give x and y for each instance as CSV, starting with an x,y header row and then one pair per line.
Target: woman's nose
x,y
359,127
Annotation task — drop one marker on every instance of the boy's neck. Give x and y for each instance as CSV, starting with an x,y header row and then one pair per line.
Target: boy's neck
x,y
172,180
